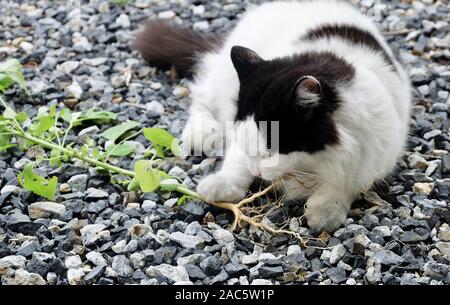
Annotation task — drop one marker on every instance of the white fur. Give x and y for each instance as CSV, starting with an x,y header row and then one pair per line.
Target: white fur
x,y
372,121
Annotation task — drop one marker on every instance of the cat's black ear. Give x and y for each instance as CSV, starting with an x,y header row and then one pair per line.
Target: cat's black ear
x,y
244,60
308,91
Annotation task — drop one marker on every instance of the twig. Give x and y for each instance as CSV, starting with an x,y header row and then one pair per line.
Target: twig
x,y
398,32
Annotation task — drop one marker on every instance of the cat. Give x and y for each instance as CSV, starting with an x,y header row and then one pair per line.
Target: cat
x,y
323,71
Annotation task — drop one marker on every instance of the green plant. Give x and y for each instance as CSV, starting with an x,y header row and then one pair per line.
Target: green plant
x,y
49,130
120,2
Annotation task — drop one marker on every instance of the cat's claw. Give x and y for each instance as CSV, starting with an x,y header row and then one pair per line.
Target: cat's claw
x,y
220,188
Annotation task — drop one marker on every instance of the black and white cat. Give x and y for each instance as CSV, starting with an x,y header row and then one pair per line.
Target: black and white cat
x,y
319,68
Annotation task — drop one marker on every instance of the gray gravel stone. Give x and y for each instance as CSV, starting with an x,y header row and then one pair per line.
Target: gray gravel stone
x,y
122,266
187,241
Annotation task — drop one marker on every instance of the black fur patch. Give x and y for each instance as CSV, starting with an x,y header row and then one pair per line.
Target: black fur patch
x,y
267,91
351,34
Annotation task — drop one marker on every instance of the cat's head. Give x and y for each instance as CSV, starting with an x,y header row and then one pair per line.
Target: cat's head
x,y
286,106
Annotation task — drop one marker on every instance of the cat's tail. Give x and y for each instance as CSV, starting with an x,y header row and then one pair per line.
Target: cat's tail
x,y
163,45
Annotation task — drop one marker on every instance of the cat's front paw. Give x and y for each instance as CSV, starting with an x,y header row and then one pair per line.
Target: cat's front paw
x,y
220,188
326,216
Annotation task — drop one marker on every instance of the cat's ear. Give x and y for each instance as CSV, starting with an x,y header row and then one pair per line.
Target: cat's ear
x,y
244,60
308,91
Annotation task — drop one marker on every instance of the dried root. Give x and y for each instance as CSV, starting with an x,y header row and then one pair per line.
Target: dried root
x,y
253,215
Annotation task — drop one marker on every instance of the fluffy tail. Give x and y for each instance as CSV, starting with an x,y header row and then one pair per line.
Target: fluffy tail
x,y
164,45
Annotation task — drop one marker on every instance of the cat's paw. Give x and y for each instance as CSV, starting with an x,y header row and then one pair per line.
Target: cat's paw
x,y
327,216
200,135
220,188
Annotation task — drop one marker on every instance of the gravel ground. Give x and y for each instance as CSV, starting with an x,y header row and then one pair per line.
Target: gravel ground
x,y
80,56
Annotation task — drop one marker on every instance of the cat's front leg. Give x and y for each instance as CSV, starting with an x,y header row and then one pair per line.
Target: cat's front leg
x,y
327,208
202,133
230,183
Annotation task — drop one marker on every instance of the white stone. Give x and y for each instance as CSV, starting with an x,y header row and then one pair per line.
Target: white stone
x,y
337,253
94,62
96,258
10,189
74,90
350,281
261,282
119,247
416,161
193,259
265,257
156,86
69,66
138,260
198,9
45,209
443,247
26,46
250,259
10,262
384,231
20,164
155,106
148,205
93,228
81,43
180,91
422,188
223,236
22,277
187,241
75,276
123,21
293,250
201,26
166,15
73,262
175,273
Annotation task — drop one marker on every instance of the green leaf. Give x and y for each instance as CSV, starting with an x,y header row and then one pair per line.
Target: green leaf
x,y
37,184
133,185
43,124
84,151
175,147
116,132
163,174
7,146
21,117
5,139
5,82
169,185
182,199
120,150
100,117
159,136
147,177
66,114
96,153
11,71
120,2
55,158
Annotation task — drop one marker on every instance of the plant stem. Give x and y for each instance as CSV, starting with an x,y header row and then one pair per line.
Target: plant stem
x,y
104,165
188,192
75,154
